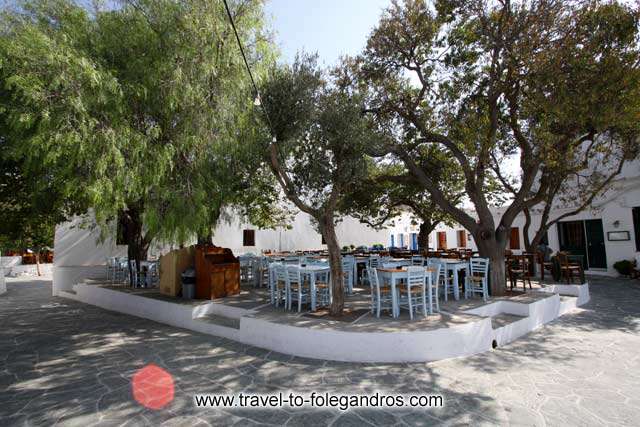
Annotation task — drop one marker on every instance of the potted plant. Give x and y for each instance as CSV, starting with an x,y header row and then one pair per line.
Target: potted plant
x,y
623,267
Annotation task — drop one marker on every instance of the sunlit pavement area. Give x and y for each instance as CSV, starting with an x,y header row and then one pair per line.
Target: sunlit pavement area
x,y
68,363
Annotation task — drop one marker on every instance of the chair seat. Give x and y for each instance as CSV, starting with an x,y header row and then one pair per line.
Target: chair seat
x,y
404,287
571,267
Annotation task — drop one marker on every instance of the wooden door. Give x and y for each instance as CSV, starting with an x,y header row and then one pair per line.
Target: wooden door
x,y
514,238
462,238
442,240
572,239
596,253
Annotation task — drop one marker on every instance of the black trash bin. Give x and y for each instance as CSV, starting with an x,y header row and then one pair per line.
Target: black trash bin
x,y
188,279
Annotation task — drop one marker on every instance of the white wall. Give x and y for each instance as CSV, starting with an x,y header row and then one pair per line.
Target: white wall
x,y
80,253
614,207
301,235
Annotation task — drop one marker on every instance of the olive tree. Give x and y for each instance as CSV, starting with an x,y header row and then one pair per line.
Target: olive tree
x,y
486,80
317,153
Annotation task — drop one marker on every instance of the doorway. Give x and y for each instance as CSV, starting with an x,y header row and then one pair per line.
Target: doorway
x,y
585,238
442,240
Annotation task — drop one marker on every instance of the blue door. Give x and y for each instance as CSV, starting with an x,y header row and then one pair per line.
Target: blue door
x,y
392,241
414,241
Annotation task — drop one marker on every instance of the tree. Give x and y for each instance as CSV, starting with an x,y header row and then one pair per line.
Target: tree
x,y
140,110
29,210
576,183
486,80
390,190
318,150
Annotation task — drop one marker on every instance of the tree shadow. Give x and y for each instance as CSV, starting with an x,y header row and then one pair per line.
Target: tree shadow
x,y
67,362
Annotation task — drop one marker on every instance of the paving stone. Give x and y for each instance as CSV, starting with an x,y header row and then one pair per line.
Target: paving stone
x,y
70,364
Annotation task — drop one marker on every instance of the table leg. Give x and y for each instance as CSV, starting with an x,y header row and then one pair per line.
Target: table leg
x,y
312,289
271,286
355,276
456,284
446,282
394,298
430,290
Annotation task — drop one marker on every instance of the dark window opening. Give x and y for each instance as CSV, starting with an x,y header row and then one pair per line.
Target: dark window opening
x,y
248,237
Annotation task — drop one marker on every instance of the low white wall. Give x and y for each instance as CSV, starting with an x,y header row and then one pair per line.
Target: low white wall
x,y
383,347
179,315
334,343
9,261
3,283
29,269
579,291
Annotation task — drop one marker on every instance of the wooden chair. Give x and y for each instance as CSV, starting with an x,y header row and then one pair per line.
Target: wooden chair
x,y
567,268
415,290
544,265
381,298
477,281
518,269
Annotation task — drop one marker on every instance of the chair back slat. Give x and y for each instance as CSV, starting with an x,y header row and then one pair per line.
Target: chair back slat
x,y
479,266
415,275
417,260
374,261
293,274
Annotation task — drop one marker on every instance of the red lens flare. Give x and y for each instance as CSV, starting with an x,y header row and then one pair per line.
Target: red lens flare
x,y
152,387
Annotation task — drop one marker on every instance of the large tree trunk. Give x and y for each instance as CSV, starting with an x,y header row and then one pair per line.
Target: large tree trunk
x,y
205,240
491,245
528,247
423,235
135,239
335,262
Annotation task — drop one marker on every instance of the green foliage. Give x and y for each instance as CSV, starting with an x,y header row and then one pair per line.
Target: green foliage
x,y
28,209
549,82
145,107
321,136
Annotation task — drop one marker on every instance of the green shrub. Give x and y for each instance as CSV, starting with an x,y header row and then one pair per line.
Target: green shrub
x,y
623,267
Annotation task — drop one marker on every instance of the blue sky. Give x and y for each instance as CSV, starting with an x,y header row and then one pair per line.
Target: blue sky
x,y
330,27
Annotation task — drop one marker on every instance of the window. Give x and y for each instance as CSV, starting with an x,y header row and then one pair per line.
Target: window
x,y
636,226
442,240
462,239
514,241
324,242
248,237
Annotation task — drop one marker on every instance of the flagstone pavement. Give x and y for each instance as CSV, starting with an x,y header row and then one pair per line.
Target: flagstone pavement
x,y
71,364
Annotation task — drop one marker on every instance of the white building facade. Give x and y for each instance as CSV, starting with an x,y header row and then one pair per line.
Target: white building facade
x,y
606,233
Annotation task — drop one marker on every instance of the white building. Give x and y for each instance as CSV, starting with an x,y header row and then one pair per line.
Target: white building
x,y
604,234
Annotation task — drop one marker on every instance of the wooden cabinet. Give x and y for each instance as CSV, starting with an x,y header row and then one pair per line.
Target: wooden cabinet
x,y
217,272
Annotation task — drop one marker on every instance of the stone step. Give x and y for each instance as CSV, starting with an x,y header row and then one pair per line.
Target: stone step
x,y
216,319
504,319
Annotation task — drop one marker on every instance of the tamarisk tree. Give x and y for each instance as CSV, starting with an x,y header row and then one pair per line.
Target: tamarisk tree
x,y
140,110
